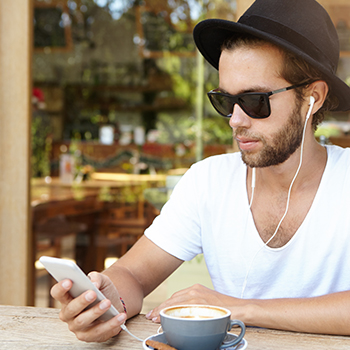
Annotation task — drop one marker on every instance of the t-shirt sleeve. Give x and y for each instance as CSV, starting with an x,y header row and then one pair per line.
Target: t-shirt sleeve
x,y
177,229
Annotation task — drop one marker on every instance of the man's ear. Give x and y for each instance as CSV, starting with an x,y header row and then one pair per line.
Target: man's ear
x,y
318,90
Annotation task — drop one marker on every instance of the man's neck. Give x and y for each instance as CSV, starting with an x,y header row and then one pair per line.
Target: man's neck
x,y
278,178
271,194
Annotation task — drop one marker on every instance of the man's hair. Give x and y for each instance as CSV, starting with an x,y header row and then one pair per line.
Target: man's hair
x,y
295,70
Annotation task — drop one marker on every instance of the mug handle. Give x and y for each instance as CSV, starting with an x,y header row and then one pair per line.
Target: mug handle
x,y
239,338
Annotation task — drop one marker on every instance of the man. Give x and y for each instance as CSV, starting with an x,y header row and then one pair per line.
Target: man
x,y
272,220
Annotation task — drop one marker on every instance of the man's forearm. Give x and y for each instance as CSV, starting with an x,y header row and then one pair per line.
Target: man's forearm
x,y
140,271
329,314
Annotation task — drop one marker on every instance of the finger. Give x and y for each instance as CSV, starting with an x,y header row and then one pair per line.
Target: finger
x,y
96,278
60,291
105,285
101,281
77,305
154,314
81,317
102,331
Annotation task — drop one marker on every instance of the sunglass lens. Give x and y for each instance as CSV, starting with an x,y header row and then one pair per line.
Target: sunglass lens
x,y
223,104
256,106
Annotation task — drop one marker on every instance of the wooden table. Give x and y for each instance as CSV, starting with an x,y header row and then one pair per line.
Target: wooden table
x,y
40,328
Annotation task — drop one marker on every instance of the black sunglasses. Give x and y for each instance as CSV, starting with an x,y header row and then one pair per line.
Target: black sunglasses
x,y
254,104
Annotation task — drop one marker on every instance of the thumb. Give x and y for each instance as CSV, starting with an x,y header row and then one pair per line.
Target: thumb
x,y
96,279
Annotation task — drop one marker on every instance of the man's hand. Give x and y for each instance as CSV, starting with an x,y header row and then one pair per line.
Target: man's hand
x,y
196,294
83,323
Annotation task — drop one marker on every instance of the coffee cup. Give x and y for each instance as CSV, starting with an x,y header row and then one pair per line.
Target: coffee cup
x,y
189,327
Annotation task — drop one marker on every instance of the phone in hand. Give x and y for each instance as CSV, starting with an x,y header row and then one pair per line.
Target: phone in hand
x,y
61,269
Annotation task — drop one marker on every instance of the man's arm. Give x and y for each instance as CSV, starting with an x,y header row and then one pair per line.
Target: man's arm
x,y
328,314
140,271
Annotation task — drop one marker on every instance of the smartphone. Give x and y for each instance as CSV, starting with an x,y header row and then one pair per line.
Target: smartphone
x,y
61,269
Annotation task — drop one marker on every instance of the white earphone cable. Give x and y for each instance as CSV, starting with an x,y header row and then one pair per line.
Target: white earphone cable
x,y
253,187
312,101
127,331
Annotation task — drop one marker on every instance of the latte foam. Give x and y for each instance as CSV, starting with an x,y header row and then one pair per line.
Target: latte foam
x,y
194,312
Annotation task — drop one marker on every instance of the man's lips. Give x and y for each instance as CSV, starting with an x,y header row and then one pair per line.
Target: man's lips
x,y
246,144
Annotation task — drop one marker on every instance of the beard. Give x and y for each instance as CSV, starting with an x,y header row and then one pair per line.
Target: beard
x,y
282,145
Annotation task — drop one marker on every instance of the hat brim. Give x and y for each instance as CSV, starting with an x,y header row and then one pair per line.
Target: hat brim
x,y
210,34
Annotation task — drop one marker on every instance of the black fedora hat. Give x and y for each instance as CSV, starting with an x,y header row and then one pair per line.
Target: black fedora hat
x,y
302,27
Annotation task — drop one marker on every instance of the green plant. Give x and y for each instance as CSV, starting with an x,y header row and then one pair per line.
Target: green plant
x,y
41,146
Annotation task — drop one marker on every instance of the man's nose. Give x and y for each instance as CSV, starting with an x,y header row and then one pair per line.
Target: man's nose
x,y
239,118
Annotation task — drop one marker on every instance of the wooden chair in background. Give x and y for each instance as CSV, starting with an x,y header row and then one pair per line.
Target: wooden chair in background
x,y
120,227
48,241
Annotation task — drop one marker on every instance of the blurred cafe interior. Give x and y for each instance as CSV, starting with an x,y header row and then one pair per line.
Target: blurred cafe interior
x,y
102,110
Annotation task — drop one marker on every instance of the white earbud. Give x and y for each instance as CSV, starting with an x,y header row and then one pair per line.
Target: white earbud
x,y
311,104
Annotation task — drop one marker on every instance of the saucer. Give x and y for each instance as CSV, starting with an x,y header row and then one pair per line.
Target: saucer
x,y
161,338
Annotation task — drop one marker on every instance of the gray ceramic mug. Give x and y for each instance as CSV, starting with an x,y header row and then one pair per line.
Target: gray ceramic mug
x,y
202,327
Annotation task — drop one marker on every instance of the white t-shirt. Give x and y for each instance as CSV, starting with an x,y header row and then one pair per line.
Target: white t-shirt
x,y
209,213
